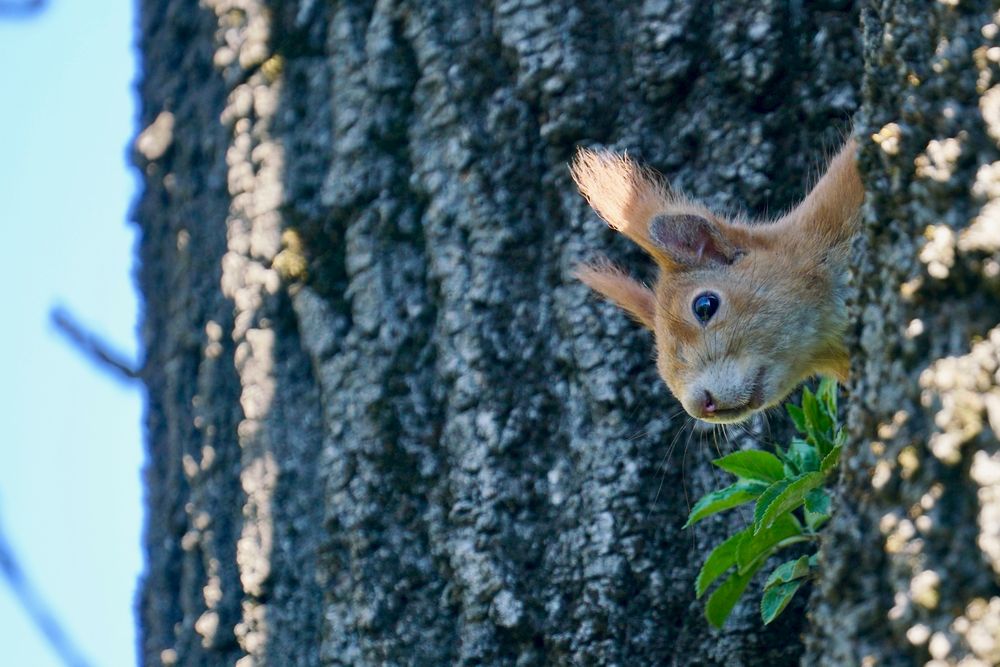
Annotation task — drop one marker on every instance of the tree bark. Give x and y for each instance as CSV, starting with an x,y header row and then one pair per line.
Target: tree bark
x,y
911,560
386,426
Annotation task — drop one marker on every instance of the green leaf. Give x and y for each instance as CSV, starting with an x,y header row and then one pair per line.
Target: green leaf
x,y
825,426
792,458
776,599
810,409
798,418
787,499
769,495
831,459
723,499
788,571
816,521
719,560
789,467
817,508
752,464
817,420
823,443
803,455
827,394
818,501
758,547
722,600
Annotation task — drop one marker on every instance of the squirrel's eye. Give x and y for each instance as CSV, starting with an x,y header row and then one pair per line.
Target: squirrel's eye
x,y
705,305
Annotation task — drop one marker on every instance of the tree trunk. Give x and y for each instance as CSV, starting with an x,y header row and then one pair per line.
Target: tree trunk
x,y
911,560
386,425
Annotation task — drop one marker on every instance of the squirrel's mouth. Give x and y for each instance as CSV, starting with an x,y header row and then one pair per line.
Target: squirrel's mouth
x,y
738,413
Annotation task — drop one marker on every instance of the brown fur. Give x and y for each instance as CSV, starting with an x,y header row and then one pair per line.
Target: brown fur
x,y
782,285
613,283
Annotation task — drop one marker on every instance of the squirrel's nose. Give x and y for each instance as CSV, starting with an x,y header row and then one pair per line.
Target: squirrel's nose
x,y
708,406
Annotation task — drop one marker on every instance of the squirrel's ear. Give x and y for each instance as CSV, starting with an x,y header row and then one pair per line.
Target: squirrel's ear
x,y
616,286
691,240
637,202
626,195
830,210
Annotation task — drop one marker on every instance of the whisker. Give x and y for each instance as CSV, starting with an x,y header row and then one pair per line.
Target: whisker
x,y
687,445
715,438
661,468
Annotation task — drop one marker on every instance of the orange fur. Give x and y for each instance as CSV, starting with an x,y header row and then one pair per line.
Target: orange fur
x,y
615,285
829,211
627,195
782,286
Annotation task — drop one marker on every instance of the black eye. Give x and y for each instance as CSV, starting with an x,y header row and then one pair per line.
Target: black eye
x,y
705,305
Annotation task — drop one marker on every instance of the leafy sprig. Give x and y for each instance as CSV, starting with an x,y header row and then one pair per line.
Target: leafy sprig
x,y
791,504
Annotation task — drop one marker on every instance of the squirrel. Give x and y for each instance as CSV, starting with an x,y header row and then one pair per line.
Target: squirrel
x,y
741,312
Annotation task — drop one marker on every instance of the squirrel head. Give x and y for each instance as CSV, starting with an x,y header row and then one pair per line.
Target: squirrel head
x,y
741,312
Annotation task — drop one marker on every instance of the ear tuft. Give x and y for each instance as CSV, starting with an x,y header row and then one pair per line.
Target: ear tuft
x,y
616,286
830,210
625,194
691,240
636,201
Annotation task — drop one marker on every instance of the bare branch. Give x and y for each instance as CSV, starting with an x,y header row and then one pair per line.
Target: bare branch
x,y
35,607
21,9
92,347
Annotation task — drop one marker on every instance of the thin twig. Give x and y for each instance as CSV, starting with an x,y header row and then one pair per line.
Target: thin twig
x,y
33,605
93,347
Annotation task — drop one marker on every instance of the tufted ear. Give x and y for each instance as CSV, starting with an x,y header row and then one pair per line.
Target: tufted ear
x,y
692,240
616,286
626,195
636,201
830,211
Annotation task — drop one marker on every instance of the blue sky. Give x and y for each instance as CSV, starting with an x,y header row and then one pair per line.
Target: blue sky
x,y
71,453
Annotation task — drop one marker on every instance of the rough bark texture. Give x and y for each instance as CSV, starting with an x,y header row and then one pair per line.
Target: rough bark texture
x,y
912,556
386,426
